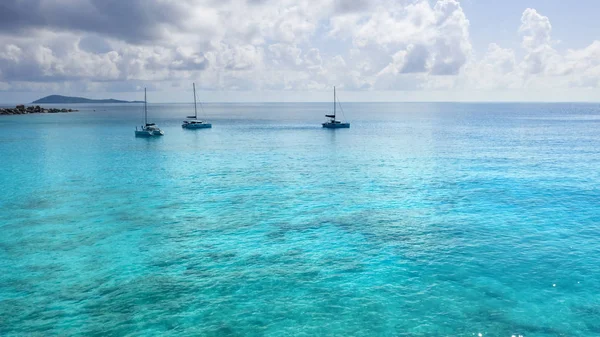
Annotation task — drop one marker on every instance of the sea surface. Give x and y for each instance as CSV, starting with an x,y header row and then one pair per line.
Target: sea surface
x,y
420,220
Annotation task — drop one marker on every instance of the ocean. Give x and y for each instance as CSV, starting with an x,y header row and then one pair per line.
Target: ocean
x,y
422,219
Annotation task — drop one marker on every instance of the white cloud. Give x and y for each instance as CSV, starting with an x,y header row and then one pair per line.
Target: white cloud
x,y
276,45
285,55
452,46
583,66
397,42
536,30
497,69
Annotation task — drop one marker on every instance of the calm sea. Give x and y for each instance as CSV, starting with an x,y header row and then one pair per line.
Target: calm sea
x,y
419,220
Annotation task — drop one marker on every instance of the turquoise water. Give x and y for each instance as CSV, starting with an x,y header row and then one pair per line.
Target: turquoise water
x,y
419,220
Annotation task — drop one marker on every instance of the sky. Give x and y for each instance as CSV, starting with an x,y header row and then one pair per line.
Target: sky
x,y
297,50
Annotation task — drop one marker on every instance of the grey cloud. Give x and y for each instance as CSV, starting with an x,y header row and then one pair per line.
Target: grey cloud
x,y
20,64
445,68
448,66
134,21
193,62
416,60
68,59
94,44
30,71
351,6
122,86
239,66
449,58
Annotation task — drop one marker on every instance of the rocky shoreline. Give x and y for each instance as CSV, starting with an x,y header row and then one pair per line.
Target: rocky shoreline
x,y
22,110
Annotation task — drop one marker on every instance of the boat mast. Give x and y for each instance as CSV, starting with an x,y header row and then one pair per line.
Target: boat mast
x,y
145,108
195,110
334,102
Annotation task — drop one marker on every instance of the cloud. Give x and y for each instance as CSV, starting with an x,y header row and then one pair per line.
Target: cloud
x,y
497,69
94,44
258,43
286,55
351,6
33,62
452,46
313,59
542,67
274,45
536,30
412,39
133,21
414,59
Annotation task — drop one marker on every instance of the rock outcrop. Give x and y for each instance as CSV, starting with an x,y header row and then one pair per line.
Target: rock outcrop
x,y
22,110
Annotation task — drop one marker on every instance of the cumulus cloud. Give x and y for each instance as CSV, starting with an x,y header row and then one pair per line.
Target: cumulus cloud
x,y
274,45
541,67
399,42
536,30
497,69
583,66
31,62
452,46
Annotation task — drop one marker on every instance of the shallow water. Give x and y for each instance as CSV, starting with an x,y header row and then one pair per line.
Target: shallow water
x,y
419,220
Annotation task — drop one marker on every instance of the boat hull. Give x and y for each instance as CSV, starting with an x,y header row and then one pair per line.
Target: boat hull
x,y
197,126
149,133
143,134
336,125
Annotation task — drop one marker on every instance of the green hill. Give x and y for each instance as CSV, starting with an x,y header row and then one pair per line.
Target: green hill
x,y
58,99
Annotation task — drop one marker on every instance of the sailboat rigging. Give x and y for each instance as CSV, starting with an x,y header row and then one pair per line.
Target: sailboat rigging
x,y
195,123
148,129
333,123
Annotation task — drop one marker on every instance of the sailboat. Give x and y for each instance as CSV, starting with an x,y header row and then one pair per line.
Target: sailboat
x,y
148,129
194,123
334,123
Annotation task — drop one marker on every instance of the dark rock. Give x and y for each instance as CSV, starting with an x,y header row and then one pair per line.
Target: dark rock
x,y
22,109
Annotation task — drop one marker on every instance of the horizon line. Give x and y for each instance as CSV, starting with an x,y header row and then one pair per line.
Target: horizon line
x,y
315,102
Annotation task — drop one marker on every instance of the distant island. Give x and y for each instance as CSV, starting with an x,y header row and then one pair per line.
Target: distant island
x,y
58,99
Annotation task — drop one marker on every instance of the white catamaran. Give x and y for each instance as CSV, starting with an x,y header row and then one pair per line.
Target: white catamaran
x,y
334,123
194,123
148,129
